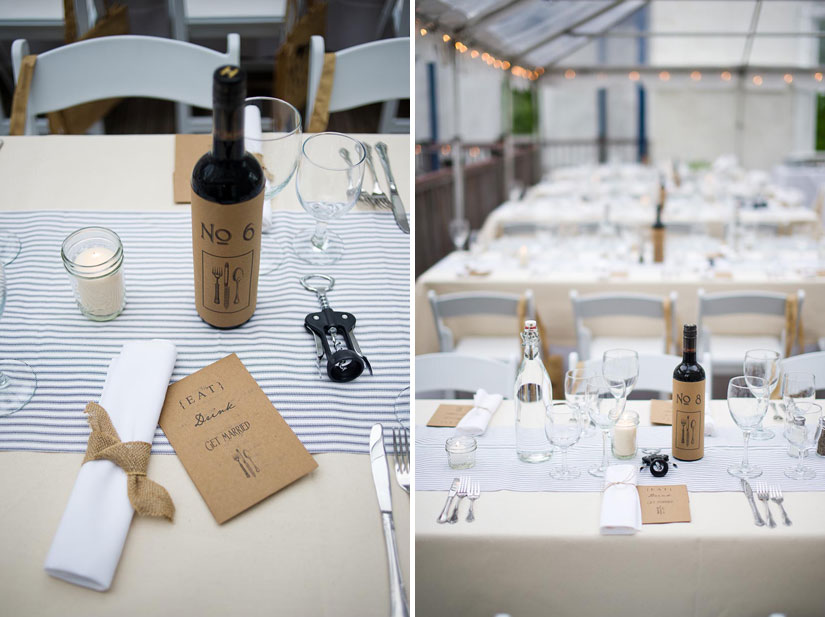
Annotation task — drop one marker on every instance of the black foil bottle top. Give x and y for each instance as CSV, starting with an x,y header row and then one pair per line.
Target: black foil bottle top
x,y
689,334
228,86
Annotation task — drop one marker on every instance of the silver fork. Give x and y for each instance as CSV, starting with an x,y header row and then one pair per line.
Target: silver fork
x,y
762,493
777,498
475,493
377,198
462,493
401,447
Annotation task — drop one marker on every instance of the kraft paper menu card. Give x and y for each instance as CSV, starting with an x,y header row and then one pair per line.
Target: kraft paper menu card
x,y
448,415
188,150
234,444
664,504
661,412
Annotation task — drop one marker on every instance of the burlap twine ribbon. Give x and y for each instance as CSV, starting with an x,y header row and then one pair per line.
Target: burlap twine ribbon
x,y
320,111
628,481
148,498
667,309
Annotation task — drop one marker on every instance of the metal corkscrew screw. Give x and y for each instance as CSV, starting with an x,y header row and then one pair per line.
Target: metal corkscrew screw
x,y
333,334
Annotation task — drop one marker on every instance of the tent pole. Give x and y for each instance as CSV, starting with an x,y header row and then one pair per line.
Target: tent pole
x,y
458,158
509,161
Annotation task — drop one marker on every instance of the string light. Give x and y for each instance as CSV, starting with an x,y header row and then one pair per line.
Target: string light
x,y
818,76
634,76
505,65
489,59
423,32
445,149
788,78
570,74
757,80
445,38
696,76
474,54
418,148
725,76
539,70
664,76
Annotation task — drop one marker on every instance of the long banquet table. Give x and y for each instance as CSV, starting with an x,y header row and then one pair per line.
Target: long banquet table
x,y
551,289
540,553
315,548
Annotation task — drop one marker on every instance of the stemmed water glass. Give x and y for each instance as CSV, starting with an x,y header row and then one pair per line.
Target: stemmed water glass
x,y
604,410
803,430
579,392
747,403
9,247
459,232
401,408
620,367
563,427
764,363
328,186
272,132
797,386
17,379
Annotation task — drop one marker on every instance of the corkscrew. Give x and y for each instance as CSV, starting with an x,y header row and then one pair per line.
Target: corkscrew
x,y
333,334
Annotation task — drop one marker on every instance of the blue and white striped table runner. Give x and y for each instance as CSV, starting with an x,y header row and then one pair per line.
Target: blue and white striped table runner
x,y
42,325
498,469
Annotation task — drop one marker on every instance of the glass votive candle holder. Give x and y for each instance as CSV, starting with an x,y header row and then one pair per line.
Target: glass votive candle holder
x,y
461,451
93,257
624,435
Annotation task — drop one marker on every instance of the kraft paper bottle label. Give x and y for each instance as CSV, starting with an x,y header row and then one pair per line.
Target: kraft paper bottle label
x,y
658,246
226,254
688,420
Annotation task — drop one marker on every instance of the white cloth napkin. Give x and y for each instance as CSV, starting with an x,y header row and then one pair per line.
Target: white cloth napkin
x,y
252,142
89,540
621,510
476,420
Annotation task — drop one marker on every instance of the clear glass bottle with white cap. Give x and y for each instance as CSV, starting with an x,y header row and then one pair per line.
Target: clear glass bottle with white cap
x,y
533,395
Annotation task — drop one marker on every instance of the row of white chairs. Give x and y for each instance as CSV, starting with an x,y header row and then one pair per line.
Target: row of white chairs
x,y
438,373
726,350
155,67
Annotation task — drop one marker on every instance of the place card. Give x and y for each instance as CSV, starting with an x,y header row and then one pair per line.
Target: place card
x,y
448,415
661,412
664,504
233,443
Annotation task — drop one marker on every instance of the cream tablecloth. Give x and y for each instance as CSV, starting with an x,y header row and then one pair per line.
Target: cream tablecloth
x,y
541,554
316,548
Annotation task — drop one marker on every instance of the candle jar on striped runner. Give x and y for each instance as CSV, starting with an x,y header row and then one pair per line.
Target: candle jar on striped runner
x,y
93,257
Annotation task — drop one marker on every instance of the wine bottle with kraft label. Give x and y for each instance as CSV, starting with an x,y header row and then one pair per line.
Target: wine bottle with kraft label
x,y
227,202
689,402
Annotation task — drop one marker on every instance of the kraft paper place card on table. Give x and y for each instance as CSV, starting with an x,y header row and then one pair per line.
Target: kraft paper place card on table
x,y
234,444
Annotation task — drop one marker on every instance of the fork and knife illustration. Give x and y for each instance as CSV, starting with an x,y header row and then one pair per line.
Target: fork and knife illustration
x,y
223,273
247,464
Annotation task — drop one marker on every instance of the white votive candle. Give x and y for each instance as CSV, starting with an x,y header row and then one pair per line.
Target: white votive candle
x,y
93,257
624,435
523,255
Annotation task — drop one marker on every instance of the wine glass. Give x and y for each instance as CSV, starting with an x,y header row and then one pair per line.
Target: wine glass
x,y
604,410
579,393
9,247
401,408
620,367
272,133
563,427
797,386
17,379
803,430
763,363
747,403
328,187
459,232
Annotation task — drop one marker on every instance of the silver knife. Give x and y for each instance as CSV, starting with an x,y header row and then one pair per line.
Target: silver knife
x,y
381,478
444,516
757,518
395,198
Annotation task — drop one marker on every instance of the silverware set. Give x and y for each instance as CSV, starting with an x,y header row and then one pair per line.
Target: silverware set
x,y
459,489
377,198
765,494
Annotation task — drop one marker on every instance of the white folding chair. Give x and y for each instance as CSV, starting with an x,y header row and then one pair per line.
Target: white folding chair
x,y
613,305
479,303
655,371
370,73
728,350
452,372
813,362
522,229
122,66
